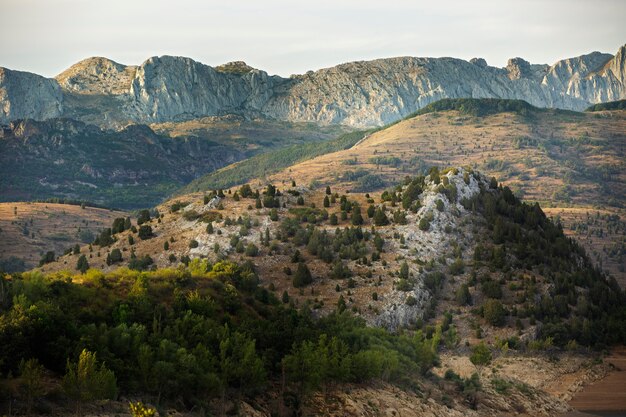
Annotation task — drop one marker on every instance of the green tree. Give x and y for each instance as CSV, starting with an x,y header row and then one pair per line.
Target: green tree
x,y
494,312
114,257
302,276
145,232
380,218
357,219
143,217
31,381
85,380
82,264
404,270
326,201
463,296
481,356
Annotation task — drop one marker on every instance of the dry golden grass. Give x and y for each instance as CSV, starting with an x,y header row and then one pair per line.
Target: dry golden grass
x,y
558,177
49,227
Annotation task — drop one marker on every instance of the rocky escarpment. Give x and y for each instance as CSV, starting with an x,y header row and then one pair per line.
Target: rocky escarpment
x,y
174,88
27,95
359,94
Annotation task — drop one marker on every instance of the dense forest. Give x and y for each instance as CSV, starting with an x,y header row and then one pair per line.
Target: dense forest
x,y
187,335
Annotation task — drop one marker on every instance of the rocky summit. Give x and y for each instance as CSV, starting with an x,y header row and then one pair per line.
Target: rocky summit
x,y
358,94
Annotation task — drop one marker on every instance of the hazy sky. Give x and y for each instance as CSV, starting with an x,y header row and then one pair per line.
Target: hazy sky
x,y
292,36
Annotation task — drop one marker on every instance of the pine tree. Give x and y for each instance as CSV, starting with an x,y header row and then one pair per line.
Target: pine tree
x,y
82,265
326,201
380,218
357,219
303,276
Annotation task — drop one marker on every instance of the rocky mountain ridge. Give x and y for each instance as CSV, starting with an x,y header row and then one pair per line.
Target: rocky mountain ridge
x,y
364,93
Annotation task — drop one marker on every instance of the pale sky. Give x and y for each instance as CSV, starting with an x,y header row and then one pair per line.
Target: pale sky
x,y
292,36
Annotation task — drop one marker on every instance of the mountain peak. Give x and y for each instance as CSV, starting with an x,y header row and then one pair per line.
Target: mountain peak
x,y
97,75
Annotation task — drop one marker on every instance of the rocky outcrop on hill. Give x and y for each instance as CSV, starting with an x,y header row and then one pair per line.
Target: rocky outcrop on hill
x,y
27,95
97,75
358,94
396,312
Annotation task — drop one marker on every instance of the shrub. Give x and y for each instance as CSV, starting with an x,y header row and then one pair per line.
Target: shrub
x,y
252,250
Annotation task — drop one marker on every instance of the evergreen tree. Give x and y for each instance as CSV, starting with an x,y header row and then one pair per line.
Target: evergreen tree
x,y
326,201
404,270
82,265
328,192
143,217
145,232
302,276
31,376
380,218
357,219
463,296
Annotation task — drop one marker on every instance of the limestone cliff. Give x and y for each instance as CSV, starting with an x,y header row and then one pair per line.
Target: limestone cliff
x,y
27,95
367,93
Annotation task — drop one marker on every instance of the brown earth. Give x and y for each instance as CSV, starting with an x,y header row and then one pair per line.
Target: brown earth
x,y
609,393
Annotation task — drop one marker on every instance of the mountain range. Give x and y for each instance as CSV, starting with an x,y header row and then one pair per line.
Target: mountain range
x,y
357,94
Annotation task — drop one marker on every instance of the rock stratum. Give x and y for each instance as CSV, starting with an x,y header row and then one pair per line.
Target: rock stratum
x,y
365,93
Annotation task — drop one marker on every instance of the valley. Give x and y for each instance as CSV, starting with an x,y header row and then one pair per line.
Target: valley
x,y
404,236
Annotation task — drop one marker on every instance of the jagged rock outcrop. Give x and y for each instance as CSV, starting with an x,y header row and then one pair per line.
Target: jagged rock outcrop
x,y
358,94
28,95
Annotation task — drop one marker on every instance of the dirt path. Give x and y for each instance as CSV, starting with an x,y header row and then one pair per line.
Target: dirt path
x,y
607,394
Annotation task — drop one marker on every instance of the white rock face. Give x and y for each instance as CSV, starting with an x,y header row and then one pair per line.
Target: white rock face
x,y
357,94
175,88
432,244
25,95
